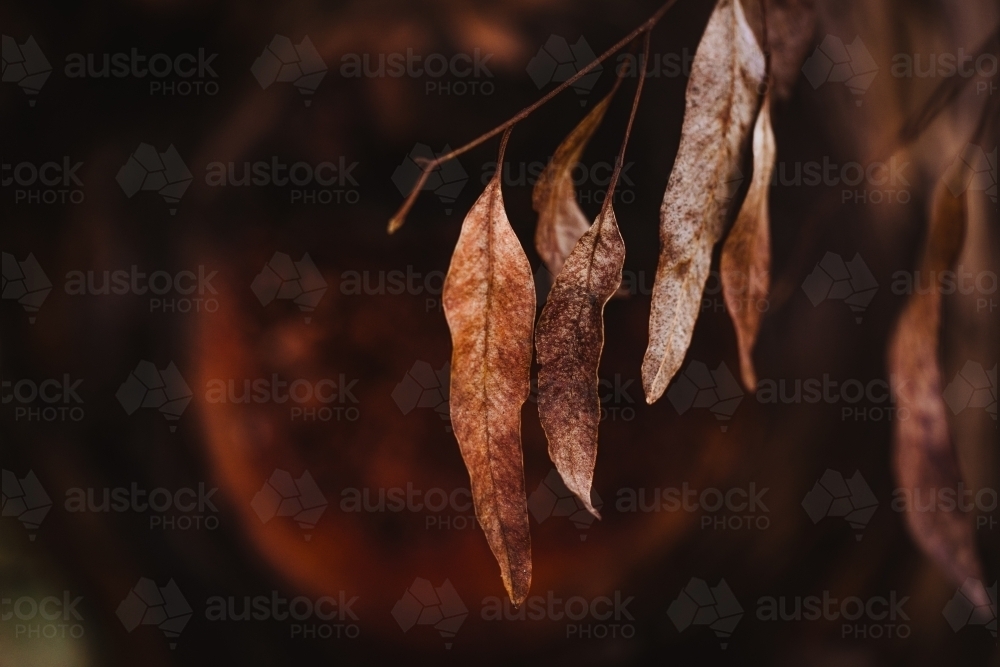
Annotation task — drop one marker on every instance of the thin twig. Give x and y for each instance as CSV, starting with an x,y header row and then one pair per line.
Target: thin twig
x,y
943,95
400,217
620,160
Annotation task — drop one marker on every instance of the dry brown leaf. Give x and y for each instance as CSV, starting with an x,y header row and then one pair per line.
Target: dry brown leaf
x,y
722,100
569,340
925,459
489,302
746,254
561,223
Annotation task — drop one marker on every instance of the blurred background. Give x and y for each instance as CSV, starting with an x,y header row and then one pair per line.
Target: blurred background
x,y
204,321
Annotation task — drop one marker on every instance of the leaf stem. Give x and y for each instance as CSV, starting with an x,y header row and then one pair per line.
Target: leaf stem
x,y
620,160
503,149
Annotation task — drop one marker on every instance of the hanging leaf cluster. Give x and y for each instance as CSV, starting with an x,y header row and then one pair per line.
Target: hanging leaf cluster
x,y
490,304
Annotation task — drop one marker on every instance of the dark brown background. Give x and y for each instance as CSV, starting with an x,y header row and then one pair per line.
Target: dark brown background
x,y
377,338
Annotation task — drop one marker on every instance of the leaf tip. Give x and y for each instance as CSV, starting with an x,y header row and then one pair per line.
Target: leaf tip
x,y
652,388
749,377
518,587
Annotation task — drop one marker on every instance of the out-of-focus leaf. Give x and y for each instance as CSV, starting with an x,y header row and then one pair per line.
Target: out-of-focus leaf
x,y
489,302
791,30
569,339
722,100
561,223
925,459
746,254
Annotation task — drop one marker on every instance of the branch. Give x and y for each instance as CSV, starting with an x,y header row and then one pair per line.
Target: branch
x,y
400,217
